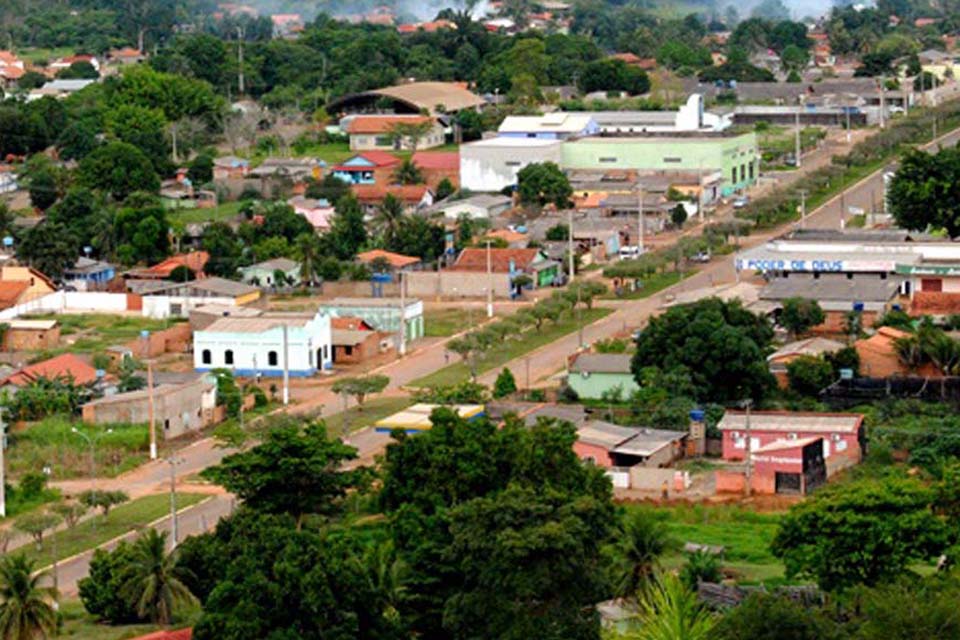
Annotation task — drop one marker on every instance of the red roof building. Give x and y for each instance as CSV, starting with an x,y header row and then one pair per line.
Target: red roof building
x,y
437,165
12,292
411,195
396,260
195,261
382,124
66,365
842,433
374,132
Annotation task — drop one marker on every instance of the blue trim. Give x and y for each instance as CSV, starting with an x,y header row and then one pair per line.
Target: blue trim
x,y
266,373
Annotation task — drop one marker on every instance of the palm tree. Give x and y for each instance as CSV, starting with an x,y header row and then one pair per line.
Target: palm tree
x,y
26,608
944,352
909,351
408,173
388,217
308,251
154,585
671,611
701,566
643,540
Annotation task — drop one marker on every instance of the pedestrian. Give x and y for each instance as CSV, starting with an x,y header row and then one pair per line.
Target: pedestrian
x,y
446,357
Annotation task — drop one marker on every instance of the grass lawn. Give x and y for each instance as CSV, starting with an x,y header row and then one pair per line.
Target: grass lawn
x,y
80,625
93,332
511,349
354,419
51,442
36,55
745,534
224,211
652,285
442,323
99,529
331,152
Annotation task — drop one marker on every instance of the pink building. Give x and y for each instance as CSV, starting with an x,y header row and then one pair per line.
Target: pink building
x,y
792,467
842,433
608,445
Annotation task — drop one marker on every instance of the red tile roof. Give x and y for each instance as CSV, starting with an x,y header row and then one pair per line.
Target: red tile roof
x,y
372,193
396,260
350,323
382,124
10,292
500,259
66,365
195,261
437,160
11,72
934,303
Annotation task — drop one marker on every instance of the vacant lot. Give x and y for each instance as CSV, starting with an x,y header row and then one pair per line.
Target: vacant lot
x,y
94,332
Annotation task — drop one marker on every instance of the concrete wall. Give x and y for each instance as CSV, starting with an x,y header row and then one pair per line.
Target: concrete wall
x,y
463,284
487,166
653,479
162,307
72,301
31,339
176,339
364,289
177,409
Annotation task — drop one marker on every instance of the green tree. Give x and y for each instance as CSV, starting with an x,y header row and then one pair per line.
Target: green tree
x,y
799,315
201,169
558,233
719,344
922,193
221,242
36,525
361,387
102,499
911,608
154,585
119,169
794,58
70,512
295,471
809,375
773,617
445,189
407,173
50,248
643,539
611,74
43,189
505,384
669,610
348,232
540,183
26,608
387,219
864,532
701,566
678,216
102,590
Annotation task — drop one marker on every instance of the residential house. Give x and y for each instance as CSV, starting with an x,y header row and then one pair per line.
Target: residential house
x,y
66,366
292,171
177,408
264,274
59,89
23,284
413,196
8,180
61,64
265,345
437,166
510,237
792,466
633,60
594,375
369,167
559,125
514,262
428,27
165,299
879,357
11,69
383,314
395,261
354,341
230,168
608,445
477,207
842,433
125,56
88,274
416,419
286,25
31,335
380,132
195,261
318,211
815,347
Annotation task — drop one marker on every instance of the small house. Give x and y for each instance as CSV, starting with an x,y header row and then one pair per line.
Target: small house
x,y
22,284
88,274
437,166
369,132
369,167
354,341
383,314
393,261
478,207
609,445
66,366
265,274
412,196
593,375
514,262
815,346
318,211
230,168
842,433
31,335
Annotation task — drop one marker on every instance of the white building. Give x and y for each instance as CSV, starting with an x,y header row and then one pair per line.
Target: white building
x,y
491,165
256,346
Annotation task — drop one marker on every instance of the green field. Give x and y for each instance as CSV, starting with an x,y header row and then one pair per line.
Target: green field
x,y
745,534
511,349
99,529
443,323
220,213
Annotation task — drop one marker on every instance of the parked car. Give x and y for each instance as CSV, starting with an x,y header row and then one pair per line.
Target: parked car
x,y
701,256
630,252
741,202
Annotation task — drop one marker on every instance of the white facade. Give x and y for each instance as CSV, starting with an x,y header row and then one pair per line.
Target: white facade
x,y
492,165
255,346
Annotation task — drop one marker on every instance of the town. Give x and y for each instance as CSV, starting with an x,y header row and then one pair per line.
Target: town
x,y
557,319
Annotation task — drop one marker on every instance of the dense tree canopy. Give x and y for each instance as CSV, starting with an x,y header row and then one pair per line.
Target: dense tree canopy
x,y
925,192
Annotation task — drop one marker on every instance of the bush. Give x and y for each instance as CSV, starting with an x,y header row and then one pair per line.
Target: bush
x,y
101,591
808,375
505,384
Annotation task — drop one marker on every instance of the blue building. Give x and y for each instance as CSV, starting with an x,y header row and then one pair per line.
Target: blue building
x,y
87,274
369,167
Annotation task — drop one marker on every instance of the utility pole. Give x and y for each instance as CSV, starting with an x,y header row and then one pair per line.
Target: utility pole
x,y
883,107
173,462
569,242
846,110
240,82
151,414
402,348
799,150
286,367
640,222
747,404
579,318
489,281
700,213
803,208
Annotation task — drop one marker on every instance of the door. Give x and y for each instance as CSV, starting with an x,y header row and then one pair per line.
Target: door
x,y
826,448
787,482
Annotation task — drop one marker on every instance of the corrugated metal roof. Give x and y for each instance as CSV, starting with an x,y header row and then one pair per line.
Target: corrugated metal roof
x,y
601,363
787,421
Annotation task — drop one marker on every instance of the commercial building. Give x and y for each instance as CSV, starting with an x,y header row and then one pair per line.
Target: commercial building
x,y
435,98
842,433
592,375
416,419
383,314
552,126
177,408
265,344
493,164
789,467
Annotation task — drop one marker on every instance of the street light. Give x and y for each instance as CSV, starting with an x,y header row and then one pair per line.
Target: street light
x,y
93,461
48,471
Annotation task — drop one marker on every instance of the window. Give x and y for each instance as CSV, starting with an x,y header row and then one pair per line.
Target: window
x,y
272,358
607,159
326,352
228,356
348,350
205,357
750,166
673,160
512,163
733,175
849,276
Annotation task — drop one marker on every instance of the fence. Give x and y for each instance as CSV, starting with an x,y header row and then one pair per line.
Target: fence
x,y
849,393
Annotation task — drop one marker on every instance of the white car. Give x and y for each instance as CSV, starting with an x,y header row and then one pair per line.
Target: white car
x,y
631,252
741,202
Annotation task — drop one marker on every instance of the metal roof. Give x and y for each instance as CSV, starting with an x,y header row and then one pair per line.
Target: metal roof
x,y
601,363
833,288
787,421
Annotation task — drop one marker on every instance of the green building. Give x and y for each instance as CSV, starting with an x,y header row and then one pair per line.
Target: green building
x,y
383,314
593,374
736,156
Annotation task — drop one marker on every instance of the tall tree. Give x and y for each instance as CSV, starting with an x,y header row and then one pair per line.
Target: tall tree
x,y
118,169
799,315
348,232
641,542
154,584
925,192
540,183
